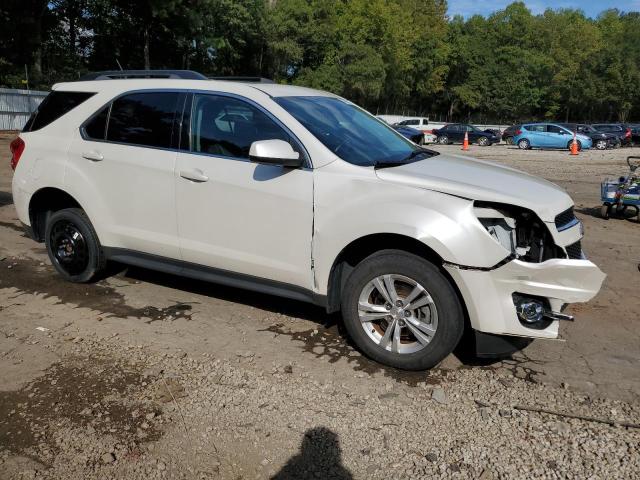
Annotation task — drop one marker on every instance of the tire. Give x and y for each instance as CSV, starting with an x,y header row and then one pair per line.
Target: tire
x,y
441,312
73,246
601,144
578,142
524,144
508,140
484,142
443,140
605,211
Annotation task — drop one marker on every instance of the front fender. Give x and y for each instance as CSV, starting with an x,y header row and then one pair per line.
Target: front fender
x,y
351,204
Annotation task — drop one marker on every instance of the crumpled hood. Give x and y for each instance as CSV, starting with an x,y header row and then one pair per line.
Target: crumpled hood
x,y
480,180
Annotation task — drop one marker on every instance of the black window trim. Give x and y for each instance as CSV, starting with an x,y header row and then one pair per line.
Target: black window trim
x,y
181,109
307,159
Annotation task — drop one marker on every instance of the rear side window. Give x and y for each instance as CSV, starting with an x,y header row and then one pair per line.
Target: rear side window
x,y
143,119
54,106
536,128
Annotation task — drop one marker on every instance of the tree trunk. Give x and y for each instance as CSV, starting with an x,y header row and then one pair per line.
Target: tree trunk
x,y
36,40
147,61
72,33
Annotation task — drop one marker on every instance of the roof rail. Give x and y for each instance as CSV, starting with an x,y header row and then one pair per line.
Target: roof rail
x,y
130,74
243,79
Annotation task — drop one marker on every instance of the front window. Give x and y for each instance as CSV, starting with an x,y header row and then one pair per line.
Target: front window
x,y
226,126
351,133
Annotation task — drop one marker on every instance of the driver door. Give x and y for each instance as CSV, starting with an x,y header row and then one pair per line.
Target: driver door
x,y
236,215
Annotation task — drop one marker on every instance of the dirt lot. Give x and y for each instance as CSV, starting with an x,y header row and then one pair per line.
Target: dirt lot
x,y
147,375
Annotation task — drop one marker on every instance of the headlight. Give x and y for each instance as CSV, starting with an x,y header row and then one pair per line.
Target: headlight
x,y
500,226
519,231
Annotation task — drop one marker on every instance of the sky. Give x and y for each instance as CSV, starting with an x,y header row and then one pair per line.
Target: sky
x,y
592,8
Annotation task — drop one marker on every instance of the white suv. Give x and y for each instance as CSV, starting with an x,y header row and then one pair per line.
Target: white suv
x,y
300,193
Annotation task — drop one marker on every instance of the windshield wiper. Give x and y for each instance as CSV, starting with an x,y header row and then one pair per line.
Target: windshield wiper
x,y
404,161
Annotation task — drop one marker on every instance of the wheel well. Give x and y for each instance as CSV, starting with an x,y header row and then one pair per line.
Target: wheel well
x,y
43,203
363,247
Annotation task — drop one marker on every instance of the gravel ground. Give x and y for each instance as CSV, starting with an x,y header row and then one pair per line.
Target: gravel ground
x,y
174,416
151,376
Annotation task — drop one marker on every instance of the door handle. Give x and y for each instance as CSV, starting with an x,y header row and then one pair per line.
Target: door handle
x,y
194,175
93,156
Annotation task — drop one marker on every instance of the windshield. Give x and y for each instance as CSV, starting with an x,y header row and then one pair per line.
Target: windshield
x,y
351,133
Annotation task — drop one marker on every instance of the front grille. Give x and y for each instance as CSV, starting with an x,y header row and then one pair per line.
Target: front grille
x,y
565,219
574,251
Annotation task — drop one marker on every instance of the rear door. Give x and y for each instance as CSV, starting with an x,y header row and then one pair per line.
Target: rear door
x,y
124,159
537,135
236,215
455,133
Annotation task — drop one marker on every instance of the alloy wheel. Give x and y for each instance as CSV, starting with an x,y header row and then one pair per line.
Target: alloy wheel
x,y
397,313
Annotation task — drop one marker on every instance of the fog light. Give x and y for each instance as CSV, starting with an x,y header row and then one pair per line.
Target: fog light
x,y
529,310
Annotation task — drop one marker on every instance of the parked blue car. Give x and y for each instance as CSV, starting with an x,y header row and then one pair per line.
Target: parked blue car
x,y
548,135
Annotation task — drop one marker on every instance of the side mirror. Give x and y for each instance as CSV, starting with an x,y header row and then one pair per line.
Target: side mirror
x,y
274,152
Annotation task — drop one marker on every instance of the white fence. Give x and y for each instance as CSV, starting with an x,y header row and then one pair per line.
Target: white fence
x,y
17,105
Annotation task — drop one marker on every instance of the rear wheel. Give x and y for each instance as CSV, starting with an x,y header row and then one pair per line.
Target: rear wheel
x,y
605,211
524,144
73,246
401,311
601,144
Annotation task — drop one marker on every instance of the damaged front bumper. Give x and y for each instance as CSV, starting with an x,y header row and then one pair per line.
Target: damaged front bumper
x,y
489,294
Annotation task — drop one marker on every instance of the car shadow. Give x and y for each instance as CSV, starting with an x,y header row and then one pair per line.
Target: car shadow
x,y
328,340
629,214
320,456
6,199
262,301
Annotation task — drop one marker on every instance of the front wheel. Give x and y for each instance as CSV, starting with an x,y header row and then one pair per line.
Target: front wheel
x,y
443,140
524,144
483,141
605,211
401,311
601,144
73,246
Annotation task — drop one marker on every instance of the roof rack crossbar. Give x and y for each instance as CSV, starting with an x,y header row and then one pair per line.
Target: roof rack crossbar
x,y
244,79
132,74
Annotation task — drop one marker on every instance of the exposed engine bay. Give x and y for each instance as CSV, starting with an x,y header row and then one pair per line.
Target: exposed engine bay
x,y
519,231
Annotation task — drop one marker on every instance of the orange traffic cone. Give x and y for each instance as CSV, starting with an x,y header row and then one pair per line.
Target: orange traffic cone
x,y
465,143
574,145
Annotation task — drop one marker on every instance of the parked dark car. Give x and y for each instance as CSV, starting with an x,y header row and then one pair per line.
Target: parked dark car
x,y
601,140
622,131
454,133
509,133
635,133
416,136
